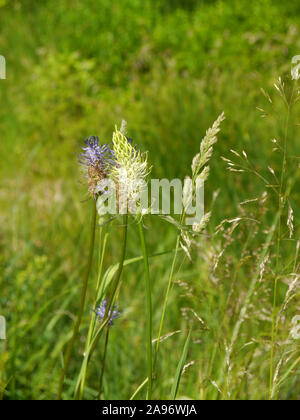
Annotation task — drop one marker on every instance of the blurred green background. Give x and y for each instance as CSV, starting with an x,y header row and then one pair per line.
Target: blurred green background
x,y
169,67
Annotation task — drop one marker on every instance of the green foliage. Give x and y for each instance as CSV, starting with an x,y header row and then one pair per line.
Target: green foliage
x,y
76,69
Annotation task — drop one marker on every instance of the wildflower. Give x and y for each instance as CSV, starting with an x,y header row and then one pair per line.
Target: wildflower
x,y
130,166
100,312
96,158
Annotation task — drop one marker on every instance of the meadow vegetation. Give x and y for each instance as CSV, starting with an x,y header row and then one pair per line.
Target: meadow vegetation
x,y
169,68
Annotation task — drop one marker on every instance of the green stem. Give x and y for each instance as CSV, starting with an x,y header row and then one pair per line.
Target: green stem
x,y
138,389
102,247
100,269
149,306
166,300
103,360
182,218
280,207
120,268
82,302
95,339
110,306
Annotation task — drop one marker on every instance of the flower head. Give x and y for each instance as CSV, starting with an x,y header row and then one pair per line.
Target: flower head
x,y
96,159
130,168
101,310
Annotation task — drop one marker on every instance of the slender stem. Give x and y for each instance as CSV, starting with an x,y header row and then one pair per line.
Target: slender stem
x,y
108,313
182,218
109,308
82,302
166,300
103,360
280,208
149,307
140,387
102,247
100,267
120,268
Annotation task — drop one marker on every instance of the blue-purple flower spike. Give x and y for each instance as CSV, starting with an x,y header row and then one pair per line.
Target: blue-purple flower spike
x,y
93,154
96,158
101,310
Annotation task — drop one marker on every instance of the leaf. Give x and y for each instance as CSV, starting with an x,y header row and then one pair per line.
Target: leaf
x,y
111,271
180,366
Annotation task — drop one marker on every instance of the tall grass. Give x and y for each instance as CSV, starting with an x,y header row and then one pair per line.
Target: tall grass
x,y
172,69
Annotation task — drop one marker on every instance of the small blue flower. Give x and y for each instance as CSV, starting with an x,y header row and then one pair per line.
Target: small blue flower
x,y
101,310
96,159
94,154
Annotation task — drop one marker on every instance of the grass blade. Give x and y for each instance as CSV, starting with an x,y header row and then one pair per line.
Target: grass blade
x,y
180,366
